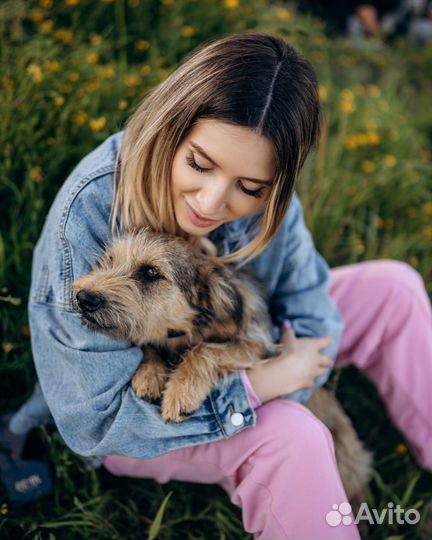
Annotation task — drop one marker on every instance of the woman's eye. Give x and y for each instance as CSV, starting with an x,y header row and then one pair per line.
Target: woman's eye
x,y
257,193
194,165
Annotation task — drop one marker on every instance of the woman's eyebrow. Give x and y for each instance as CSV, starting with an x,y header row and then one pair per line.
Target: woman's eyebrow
x,y
201,151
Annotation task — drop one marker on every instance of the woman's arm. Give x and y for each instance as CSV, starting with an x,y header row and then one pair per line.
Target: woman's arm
x,y
85,376
85,379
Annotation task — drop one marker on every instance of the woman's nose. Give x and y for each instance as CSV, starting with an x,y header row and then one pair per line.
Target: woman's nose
x,y
212,201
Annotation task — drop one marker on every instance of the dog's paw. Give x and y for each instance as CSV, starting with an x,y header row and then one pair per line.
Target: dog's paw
x,y
176,407
148,382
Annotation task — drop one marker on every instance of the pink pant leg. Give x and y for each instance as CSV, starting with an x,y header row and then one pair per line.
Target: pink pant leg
x,y
388,336
282,473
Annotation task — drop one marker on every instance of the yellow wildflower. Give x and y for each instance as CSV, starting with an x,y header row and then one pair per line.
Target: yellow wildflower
x,y
98,124
373,138
52,66
8,83
134,3
74,76
59,101
428,234
360,248
321,39
93,58
72,3
80,119
123,105
25,330
390,160
347,95
373,90
323,92
66,88
91,86
413,261
132,80
64,35
428,209
142,45
362,139
4,509
36,175
35,73
47,26
231,4
96,40
368,166
401,449
145,70
283,14
46,4
347,107
107,72
379,222
351,143
188,31
37,15
167,2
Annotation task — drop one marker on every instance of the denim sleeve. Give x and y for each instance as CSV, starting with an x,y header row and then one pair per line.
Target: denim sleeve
x,y
302,293
85,379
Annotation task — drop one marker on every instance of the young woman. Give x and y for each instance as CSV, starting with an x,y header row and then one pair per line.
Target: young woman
x,y
215,150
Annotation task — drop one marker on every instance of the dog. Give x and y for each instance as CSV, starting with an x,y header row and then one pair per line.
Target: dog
x,y
197,320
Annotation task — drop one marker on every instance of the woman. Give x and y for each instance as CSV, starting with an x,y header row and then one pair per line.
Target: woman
x,y
215,150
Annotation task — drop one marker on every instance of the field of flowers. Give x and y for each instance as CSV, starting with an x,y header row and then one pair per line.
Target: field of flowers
x,y
72,72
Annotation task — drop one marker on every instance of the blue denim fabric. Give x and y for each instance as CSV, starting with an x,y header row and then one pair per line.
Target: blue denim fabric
x,y
85,376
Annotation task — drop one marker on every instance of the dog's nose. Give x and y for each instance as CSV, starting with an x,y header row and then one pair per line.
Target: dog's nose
x,y
88,301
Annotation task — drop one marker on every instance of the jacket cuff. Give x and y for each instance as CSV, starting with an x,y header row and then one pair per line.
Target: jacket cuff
x,y
253,398
232,407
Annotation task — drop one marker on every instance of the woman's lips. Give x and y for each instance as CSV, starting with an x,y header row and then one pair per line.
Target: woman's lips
x,y
197,220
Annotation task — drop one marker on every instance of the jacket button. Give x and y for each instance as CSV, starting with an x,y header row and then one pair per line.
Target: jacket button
x,y
237,419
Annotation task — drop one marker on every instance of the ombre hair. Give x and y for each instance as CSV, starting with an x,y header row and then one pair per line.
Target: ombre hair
x,y
255,80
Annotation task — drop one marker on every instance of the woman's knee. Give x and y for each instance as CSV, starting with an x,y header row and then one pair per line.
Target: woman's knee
x,y
397,275
285,423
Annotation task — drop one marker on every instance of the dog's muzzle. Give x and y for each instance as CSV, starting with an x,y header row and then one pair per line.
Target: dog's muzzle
x,y
89,302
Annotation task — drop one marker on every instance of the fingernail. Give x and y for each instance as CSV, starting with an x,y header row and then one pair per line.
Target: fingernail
x,y
287,324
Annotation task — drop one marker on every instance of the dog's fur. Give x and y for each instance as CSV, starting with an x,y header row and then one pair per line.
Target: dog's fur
x,y
197,321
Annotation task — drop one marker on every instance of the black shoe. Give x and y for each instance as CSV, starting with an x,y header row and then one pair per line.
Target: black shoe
x,y
23,472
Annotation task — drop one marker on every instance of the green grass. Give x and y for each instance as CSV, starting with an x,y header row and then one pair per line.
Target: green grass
x,y
70,76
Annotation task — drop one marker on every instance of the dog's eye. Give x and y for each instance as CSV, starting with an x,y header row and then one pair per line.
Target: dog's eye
x,y
148,273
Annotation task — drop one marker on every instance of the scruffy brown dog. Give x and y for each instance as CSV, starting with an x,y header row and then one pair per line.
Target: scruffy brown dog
x,y
197,320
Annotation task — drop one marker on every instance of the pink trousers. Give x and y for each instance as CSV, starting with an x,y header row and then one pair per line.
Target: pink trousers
x,y
282,472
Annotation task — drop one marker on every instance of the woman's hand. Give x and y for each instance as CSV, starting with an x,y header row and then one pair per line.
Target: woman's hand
x,y
297,367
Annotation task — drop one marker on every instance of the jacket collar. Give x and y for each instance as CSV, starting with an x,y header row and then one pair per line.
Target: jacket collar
x,y
236,231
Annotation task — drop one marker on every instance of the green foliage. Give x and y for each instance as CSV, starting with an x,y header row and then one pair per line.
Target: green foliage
x,y
71,73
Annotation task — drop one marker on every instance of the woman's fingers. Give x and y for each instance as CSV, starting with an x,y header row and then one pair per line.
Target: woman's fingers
x,y
326,361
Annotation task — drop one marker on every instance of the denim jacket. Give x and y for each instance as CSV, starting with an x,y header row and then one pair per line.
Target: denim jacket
x,y
85,376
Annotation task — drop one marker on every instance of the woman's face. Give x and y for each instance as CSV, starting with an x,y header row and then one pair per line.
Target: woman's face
x,y
221,172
